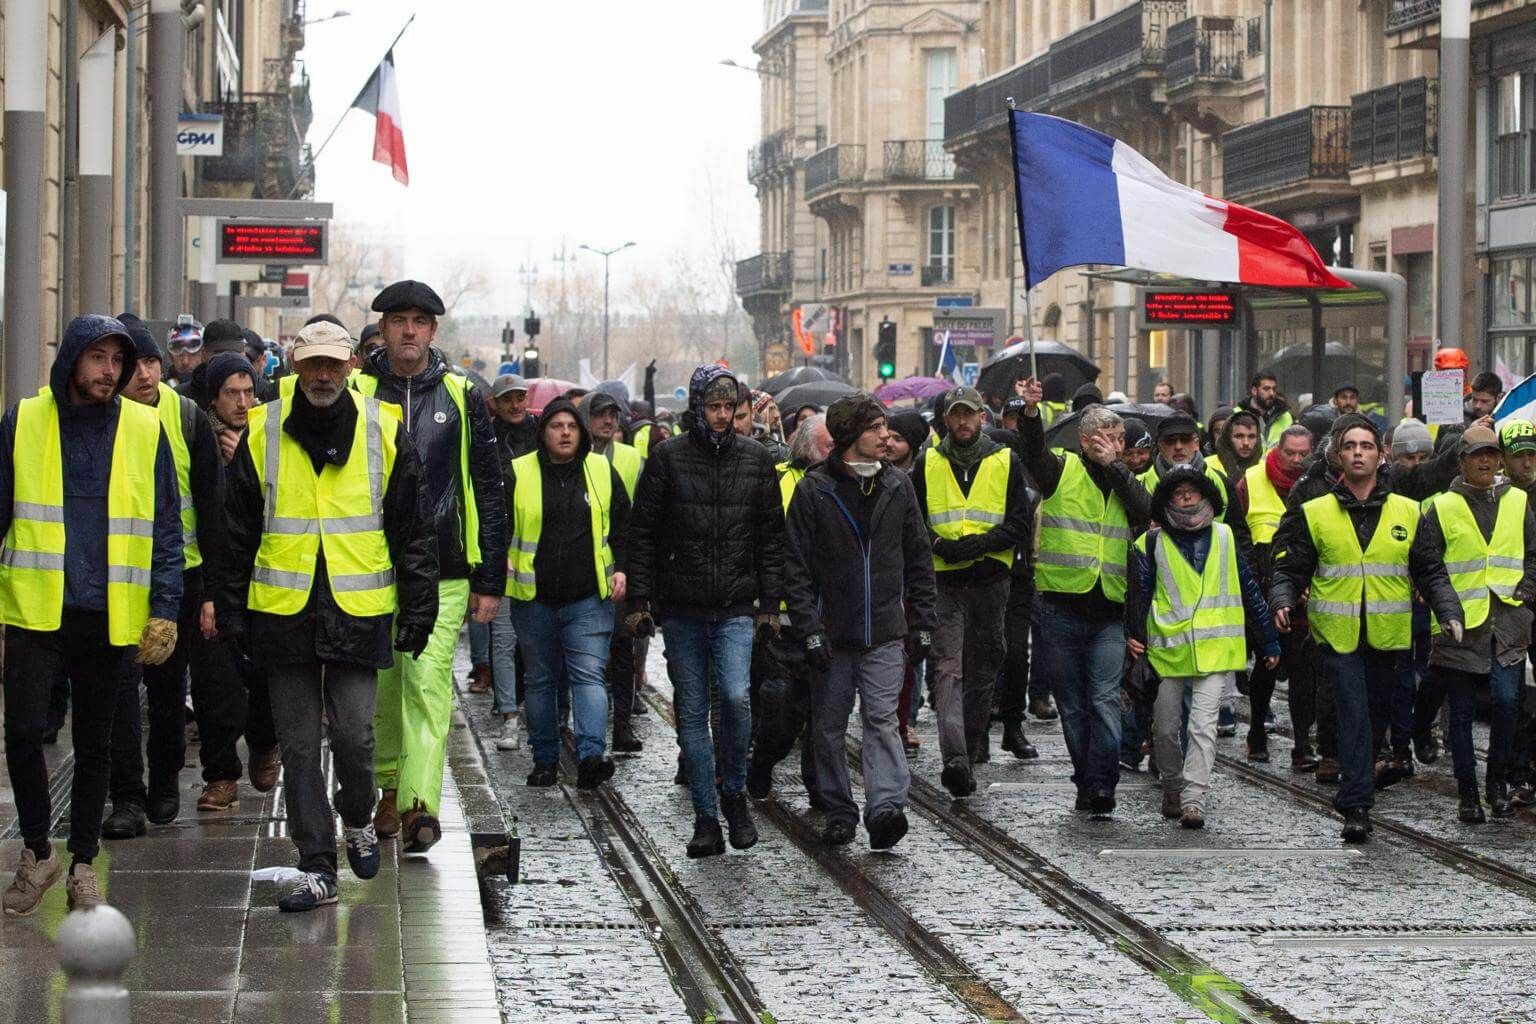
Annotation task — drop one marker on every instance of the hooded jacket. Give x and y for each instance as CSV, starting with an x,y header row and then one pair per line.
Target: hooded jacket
x,y
86,435
707,535
322,631
1231,465
859,565
562,567
432,420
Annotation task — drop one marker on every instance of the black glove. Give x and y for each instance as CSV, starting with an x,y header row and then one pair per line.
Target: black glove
x,y
919,643
969,548
412,640
818,656
767,628
650,369
945,548
639,623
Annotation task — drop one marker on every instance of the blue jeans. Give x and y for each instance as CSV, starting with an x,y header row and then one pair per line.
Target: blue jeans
x,y
1083,660
479,643
1363,682
1504,692
570,640
504,659
691,646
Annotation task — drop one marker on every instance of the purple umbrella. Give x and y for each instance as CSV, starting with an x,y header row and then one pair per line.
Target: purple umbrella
x,y
912,387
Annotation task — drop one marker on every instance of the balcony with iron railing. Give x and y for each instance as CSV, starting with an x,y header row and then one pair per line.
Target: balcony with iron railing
x,y
1403,15
938,273
1395,122
1205,49
1256,36
1306,145
245,144
918,160
835,166
772,153
1128,42
768,272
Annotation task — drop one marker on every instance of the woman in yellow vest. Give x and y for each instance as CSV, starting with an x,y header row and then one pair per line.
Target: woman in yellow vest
x,y
1190,598
1478,540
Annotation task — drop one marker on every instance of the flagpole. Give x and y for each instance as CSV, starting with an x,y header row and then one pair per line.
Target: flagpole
x,y
1018,200
309,168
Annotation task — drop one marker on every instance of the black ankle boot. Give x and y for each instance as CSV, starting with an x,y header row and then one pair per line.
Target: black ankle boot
x,y
1017,744
1498,798
1471,812
738,820
624,739
707,840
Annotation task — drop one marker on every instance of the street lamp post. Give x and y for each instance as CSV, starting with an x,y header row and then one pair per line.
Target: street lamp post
x,y
605,254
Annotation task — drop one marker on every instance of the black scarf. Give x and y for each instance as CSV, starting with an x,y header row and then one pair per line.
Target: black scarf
x,y
324,434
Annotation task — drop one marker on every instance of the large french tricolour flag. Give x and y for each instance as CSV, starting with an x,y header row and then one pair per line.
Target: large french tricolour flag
x,y
1085,197
381,98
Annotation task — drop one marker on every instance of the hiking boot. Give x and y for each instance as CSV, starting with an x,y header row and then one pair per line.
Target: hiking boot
x,y
511,735
1470,811
219,795
386,817
593,771
910,740
480,680
1043,708
1017,744
362,850
1328,771
543,775
313,889
1172,808
707,840
1498,799
886,828
1427,748
759,780
83,888
1193,817
837,833
1357,825
263,769
957,778
1226,722
164,804
126,821
624,739
419,831
33,878
738,821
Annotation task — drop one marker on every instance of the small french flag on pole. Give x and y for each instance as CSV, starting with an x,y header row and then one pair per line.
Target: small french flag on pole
x,y
1085,197
381,98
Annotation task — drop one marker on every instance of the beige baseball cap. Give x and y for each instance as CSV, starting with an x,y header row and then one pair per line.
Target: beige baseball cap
x,y
322,339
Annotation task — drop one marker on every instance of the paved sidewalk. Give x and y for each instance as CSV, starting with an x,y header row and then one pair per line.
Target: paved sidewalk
x,y
406,945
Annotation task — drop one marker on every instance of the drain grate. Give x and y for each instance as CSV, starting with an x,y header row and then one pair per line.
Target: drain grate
x,y
1231,853
577,926
1451,941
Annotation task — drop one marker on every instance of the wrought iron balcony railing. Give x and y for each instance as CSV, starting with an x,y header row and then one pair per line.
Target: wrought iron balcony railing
x,y
1405,14
1131,38
1204,49
918,160
836,165
1305,145
773,152
938,274
1393,123
765,272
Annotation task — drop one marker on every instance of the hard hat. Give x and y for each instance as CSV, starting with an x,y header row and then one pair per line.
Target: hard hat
x,y
1451,359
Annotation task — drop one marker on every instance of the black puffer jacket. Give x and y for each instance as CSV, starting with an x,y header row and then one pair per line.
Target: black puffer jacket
x,y
707,533
432,420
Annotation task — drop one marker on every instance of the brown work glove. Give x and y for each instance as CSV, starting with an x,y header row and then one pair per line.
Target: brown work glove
x,y
157,643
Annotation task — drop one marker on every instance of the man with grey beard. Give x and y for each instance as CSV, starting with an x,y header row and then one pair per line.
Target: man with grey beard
x,y
331,545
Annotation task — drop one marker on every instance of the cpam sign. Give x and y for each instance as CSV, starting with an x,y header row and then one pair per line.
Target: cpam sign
x,y
200,135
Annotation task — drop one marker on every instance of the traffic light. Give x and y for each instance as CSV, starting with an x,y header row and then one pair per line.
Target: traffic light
x,y
885,351
530,363
508,341
531,326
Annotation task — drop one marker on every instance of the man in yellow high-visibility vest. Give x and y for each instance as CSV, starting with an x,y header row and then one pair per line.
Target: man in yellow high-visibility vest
x,y
90,569
332,571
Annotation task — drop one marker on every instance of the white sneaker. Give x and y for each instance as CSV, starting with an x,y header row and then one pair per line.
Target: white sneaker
x,y
511,735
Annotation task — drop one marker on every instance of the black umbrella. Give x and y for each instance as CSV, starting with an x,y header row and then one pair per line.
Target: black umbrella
x,y
1012,363
820,393
1292,367
796,375
1063,432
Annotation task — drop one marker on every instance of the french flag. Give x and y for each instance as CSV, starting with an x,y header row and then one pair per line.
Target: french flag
x,y
381,98
1087,198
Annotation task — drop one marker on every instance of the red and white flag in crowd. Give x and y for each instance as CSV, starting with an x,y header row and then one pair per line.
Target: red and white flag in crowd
x,y
381,98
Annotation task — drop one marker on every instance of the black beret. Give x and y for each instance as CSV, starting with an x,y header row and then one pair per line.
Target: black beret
x,y
403,295
223,336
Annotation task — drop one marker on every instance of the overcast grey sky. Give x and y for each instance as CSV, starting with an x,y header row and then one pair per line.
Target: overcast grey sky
x,y
596,121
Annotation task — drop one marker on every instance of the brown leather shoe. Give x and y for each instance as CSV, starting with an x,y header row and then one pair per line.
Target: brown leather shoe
x,y
909,738
263,770
386,820
219,795
480,679
1328,771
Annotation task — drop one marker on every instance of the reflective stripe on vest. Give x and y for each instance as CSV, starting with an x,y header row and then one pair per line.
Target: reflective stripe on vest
x,y
338,511
1195,623
171,409
1478,567
789,478
458,387
1265,506
1348,582
953,514
32,560
1085,538
627,460
528,523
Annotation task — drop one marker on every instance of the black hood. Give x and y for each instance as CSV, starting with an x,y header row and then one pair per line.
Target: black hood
x,y
565,405
78,336
1180,475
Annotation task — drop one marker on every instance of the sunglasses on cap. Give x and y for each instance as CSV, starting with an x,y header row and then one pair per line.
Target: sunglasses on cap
x,y
185,343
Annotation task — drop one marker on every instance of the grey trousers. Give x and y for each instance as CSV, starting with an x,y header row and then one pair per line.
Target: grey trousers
x,y
968,651
876,675
1187,773
346,694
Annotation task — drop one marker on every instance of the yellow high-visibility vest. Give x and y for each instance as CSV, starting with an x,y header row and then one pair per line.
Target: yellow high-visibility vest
x,y
32,559
528,523
1085,537
627,461
1195,621
174,411
789,477
953,514
1348,581
1265,506
1478,567
338,511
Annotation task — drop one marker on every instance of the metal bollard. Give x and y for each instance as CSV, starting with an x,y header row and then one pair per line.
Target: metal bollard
x,y
95,947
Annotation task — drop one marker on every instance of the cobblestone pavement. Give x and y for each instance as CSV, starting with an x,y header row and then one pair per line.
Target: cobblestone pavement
x,y
1266,894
